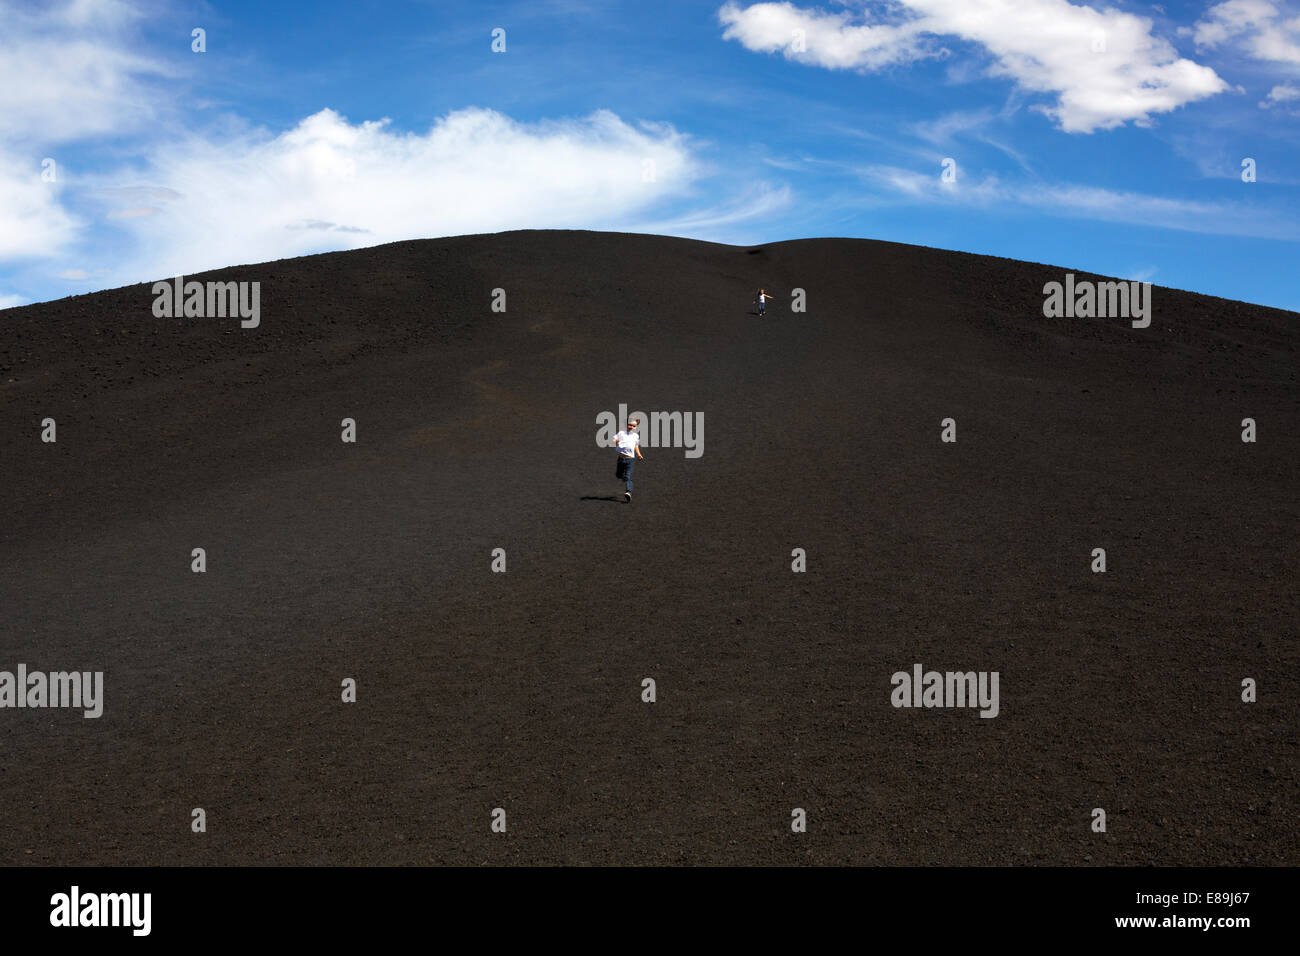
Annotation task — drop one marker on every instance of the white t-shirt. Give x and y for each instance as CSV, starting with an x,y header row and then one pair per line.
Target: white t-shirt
x,y
627,442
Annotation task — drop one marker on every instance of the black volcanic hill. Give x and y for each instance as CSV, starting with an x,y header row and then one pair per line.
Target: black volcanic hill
x,y
476,430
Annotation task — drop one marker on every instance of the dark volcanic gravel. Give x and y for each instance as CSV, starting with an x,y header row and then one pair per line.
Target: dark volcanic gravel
x,y
476,690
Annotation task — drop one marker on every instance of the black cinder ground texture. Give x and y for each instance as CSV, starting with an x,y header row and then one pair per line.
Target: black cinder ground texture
x,y
522,690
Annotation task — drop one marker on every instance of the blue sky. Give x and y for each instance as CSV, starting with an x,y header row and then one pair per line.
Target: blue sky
x,y
1103,138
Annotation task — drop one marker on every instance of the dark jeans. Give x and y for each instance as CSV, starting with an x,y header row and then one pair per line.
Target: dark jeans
x,y
624,471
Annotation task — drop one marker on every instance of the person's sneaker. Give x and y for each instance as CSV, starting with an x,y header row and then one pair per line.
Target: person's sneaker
x,y
627,496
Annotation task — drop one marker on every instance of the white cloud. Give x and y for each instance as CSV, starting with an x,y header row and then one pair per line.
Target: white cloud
x,y
66,73
33,223
1105,68
11,301
1279,95
329,184
824,39
1264,30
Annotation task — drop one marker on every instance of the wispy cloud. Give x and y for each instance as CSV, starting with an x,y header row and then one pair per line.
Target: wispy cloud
x,y
67,72
759,201
1087,202
945,130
